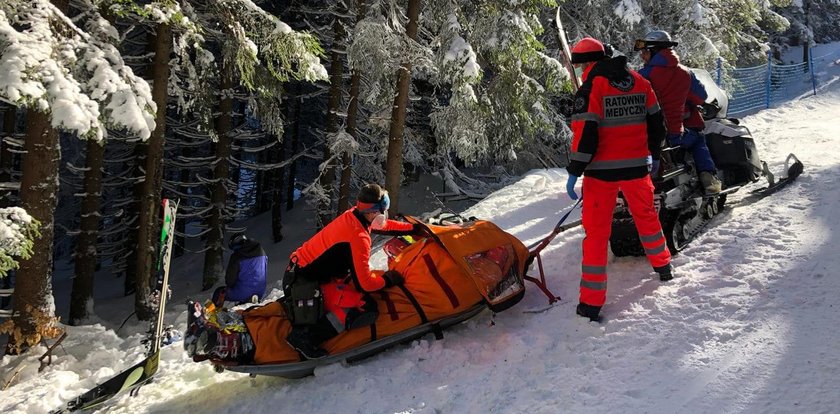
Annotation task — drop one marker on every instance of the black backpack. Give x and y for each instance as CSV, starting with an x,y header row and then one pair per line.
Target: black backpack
x,y
302,298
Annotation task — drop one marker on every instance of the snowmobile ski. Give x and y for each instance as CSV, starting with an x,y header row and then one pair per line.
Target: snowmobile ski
x,y
793,170
143,371
680,233
302,369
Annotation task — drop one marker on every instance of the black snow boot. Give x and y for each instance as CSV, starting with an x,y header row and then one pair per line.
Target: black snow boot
x,y
666,272
589,311
305,339
300,339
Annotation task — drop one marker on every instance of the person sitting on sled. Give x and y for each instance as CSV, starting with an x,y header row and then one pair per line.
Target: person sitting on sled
x,y
245,278
337,257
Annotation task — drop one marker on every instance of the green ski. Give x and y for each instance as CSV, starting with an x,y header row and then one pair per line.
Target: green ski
x,y
142,372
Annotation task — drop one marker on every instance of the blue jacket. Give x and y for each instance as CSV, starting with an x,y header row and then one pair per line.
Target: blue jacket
x,y
246,272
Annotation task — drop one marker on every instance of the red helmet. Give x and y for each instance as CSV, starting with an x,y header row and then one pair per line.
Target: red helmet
x,y
588,50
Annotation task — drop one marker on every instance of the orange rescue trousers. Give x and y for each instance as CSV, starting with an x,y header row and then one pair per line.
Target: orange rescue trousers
x,y
598,206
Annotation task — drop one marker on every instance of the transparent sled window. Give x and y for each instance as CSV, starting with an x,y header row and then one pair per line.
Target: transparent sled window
x,y
495,273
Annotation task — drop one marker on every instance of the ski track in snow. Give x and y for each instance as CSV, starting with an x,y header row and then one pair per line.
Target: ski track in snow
x,y
747,325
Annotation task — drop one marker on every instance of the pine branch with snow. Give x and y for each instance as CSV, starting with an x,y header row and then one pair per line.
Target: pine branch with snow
x,y
491,117
49,64
17,231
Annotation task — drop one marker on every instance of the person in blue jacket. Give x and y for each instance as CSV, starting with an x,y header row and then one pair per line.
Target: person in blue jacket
x,y
245,278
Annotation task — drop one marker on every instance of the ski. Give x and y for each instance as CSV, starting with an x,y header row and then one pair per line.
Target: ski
x,y
565,51
142,372
793,170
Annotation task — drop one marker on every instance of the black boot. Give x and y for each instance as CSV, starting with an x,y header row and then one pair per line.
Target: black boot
x,y
666,272
300,339
589,311
360,318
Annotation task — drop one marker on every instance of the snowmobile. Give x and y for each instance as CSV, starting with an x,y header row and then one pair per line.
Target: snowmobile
x,y
683,207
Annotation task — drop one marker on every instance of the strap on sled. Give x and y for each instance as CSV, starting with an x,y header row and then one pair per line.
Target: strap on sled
x,y
539,245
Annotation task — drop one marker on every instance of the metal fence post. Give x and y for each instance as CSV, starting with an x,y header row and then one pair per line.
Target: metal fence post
x,y
769,70
811,66
719,70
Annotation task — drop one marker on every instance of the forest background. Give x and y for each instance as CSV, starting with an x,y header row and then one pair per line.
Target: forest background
x,y
237,107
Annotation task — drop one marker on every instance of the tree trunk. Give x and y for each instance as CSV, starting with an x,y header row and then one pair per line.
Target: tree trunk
x,y
336,74
149,223
132,212
81,296
265,178
294,134
352,116
184,176
6,157
278,154
393,165
132,215
213,266
39,185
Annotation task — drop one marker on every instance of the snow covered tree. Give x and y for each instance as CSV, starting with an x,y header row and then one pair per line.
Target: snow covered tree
x,y
706,29
489,75
261,53
811,21
501,82
68,79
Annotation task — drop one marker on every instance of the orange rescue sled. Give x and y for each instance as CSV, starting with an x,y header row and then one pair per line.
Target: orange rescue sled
x,y
450,276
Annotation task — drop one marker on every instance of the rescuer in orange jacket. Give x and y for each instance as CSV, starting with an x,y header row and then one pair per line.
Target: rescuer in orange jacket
x,y
618,133
338,257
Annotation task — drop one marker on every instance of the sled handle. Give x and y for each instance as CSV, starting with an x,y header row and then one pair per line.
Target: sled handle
x,y
540,244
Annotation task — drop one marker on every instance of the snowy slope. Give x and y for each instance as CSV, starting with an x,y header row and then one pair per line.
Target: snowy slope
x,y
748,324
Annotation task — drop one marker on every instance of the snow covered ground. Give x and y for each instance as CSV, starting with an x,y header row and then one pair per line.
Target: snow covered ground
x,y
748,324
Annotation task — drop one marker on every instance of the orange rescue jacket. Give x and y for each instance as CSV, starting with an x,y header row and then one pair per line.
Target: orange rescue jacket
x,y
617,124
342,249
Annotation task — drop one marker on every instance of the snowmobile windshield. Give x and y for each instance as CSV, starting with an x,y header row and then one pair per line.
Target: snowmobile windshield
x,y
713,90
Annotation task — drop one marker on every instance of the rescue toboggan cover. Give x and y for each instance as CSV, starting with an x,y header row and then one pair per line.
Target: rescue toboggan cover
x,y
448,273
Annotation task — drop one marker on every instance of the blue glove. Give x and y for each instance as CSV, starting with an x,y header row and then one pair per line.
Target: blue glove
x,y
654,168
570,187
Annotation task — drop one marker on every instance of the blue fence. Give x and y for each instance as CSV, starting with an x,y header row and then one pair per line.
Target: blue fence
x,y
760,87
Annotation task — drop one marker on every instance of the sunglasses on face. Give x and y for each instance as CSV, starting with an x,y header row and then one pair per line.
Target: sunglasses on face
x,y
383,204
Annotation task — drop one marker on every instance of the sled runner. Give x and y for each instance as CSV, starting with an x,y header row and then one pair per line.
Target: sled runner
x,y
451,275
302,369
